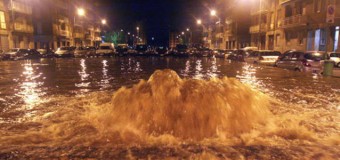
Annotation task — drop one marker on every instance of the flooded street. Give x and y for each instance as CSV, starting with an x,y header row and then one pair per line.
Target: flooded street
x,y
77,108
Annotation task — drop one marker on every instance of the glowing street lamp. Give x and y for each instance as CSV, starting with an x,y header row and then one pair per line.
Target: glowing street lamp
x,y
213,12
188,29
182,33
104,21
81,12
199,22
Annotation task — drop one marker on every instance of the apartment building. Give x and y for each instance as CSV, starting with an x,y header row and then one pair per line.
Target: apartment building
x,y
20,26
4,27
57,24
295,24
52,24
236,26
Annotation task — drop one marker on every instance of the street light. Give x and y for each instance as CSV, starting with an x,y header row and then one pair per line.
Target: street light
x,y
188,29
199,22
182,33
80,11
103,21
213,12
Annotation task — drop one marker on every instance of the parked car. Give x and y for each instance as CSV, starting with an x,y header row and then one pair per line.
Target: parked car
x,y
106,49
181,50
122,49
336,58
18,54
161,51
91,51
204,52
141,49
238,55
65,52
311,61
263,57
32,54
80,52
220,53
46,53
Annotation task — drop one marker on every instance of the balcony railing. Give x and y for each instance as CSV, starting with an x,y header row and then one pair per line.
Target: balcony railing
x,y
21,27
294,21
78,35
64,33
63,19
97,39
97,29
20,7
88,37
258,28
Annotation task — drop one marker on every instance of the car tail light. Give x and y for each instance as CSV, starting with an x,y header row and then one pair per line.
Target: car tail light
x,y
261,58
305,63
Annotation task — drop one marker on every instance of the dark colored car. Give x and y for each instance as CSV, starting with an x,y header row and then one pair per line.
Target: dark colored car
x,y
238,55
122,50
161,51
18,54
46,53
181,51
141,49
204,52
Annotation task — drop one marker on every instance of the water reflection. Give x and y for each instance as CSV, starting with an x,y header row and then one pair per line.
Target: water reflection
x,y
199,69
212,72
186,71
31,88
248,75
105,82
83,76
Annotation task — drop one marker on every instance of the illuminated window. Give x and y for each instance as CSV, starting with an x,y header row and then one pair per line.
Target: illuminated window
x,y
2,20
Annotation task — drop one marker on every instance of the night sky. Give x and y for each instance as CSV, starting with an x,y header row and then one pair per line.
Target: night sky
x,y
157,16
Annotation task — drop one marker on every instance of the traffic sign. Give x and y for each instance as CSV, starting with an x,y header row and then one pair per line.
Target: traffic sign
x,y
330,14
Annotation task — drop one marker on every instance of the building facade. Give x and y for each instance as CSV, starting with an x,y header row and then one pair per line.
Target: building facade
x,y
295,24
47,24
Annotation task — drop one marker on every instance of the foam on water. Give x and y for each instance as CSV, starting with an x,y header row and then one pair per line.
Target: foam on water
x,y
169,111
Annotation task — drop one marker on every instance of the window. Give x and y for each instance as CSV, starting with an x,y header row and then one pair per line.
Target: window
x,y
289,11
278,40
2,20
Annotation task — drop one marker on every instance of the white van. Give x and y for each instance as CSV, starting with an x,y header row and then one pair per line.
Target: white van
x,y
106,49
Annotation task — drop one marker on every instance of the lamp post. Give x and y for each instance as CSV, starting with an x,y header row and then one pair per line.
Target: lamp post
x,y
260,21
104,22
214,14
80,13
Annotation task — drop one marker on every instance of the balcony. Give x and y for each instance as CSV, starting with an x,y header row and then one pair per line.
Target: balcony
x,y
21,27
97,30
78,35
294,21
88,37
258,28
63,19
20,7
97,39
64,33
